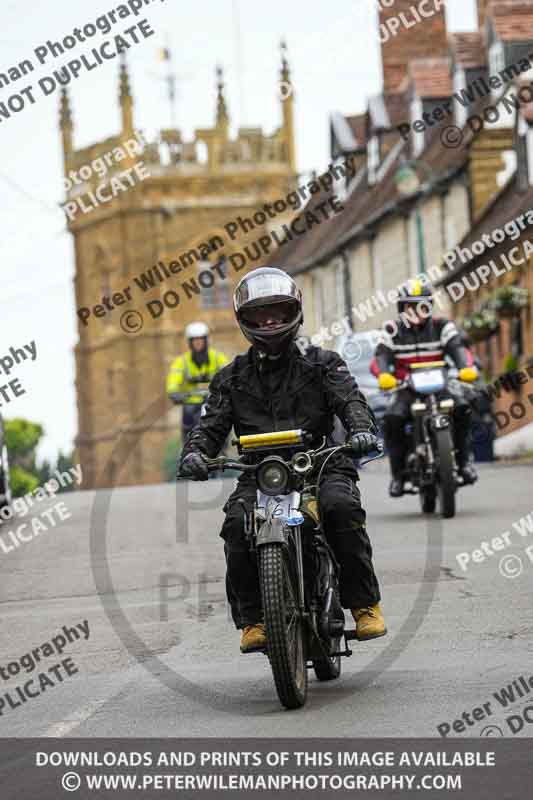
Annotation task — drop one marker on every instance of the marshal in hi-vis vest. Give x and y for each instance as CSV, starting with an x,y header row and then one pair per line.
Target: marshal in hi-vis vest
x,y
184,375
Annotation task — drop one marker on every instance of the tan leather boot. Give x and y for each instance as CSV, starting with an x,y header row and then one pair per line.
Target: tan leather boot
x,y
369,622
253,638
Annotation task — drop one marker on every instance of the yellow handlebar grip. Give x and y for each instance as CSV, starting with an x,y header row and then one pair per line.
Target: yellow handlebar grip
x,y
274,438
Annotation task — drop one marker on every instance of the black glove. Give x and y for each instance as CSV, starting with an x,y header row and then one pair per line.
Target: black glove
x,y
193,466
363,442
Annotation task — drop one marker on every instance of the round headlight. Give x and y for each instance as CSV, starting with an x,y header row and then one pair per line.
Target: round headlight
x,y
272,477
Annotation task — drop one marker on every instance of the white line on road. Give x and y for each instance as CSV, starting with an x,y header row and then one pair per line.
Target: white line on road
x,y
65,726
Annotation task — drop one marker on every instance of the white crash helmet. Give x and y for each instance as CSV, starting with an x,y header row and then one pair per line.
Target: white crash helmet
x,y
196,330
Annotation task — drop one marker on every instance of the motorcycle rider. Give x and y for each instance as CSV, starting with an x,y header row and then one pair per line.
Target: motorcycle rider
x,y
277,386
419,337
197,365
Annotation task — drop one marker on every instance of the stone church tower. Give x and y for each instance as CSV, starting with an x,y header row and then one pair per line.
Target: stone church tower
x,y
174,216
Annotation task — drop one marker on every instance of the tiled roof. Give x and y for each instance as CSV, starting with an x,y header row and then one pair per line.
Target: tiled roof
x,y
512,19
366,203
467,49
430,77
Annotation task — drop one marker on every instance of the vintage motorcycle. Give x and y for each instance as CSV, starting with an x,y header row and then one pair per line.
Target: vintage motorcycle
x,y
431,469
298,572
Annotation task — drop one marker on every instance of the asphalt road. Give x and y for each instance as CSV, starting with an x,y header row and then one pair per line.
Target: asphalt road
x,y
162,659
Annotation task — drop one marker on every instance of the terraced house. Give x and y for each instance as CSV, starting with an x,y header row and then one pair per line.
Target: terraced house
x,y
443,153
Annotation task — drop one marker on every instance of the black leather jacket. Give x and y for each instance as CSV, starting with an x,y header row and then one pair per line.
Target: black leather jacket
x,y
255,394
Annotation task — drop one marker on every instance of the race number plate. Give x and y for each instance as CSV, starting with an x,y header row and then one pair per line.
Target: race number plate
x,y
281,506
428,380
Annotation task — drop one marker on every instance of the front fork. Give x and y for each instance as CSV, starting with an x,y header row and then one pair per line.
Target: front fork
x,y
298,550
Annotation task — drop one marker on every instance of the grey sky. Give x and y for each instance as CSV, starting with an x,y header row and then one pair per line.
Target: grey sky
x,y
334,58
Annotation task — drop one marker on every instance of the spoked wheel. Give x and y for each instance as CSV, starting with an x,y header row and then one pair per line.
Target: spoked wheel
x,y
445,476
428,499
284,627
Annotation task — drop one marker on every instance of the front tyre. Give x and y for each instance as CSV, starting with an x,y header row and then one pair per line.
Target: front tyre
x,y
445,472
428,499
284,626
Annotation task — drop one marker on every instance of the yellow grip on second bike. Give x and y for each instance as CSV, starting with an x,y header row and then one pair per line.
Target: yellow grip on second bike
x,y
387,381
468,374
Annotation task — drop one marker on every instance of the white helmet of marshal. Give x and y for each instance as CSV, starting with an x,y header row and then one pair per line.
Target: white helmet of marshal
x,y
196,330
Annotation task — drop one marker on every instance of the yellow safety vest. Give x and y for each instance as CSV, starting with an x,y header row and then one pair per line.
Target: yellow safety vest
x,y
183,369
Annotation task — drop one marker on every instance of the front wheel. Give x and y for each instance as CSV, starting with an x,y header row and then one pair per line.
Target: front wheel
x,y
445,473
428,499
284,627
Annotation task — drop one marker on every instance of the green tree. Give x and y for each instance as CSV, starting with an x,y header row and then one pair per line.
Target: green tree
x,y
63,464
22,438
22,482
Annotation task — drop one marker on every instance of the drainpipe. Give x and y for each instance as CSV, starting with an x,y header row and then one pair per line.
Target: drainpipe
x,y
347,279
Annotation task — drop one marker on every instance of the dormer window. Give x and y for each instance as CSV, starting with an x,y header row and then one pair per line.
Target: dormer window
x,y
460,110
373,159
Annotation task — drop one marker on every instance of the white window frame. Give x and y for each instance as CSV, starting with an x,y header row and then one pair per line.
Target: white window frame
x,y
419,137
372,159
460,111
496,60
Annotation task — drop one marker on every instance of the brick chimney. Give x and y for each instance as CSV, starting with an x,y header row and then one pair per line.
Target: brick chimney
x,y
481,13
405,33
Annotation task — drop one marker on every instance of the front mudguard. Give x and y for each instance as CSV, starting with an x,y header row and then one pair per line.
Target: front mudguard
x,y
271,531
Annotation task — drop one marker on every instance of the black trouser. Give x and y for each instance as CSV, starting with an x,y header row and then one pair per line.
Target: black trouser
x,y
190,417
397,440
344,523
